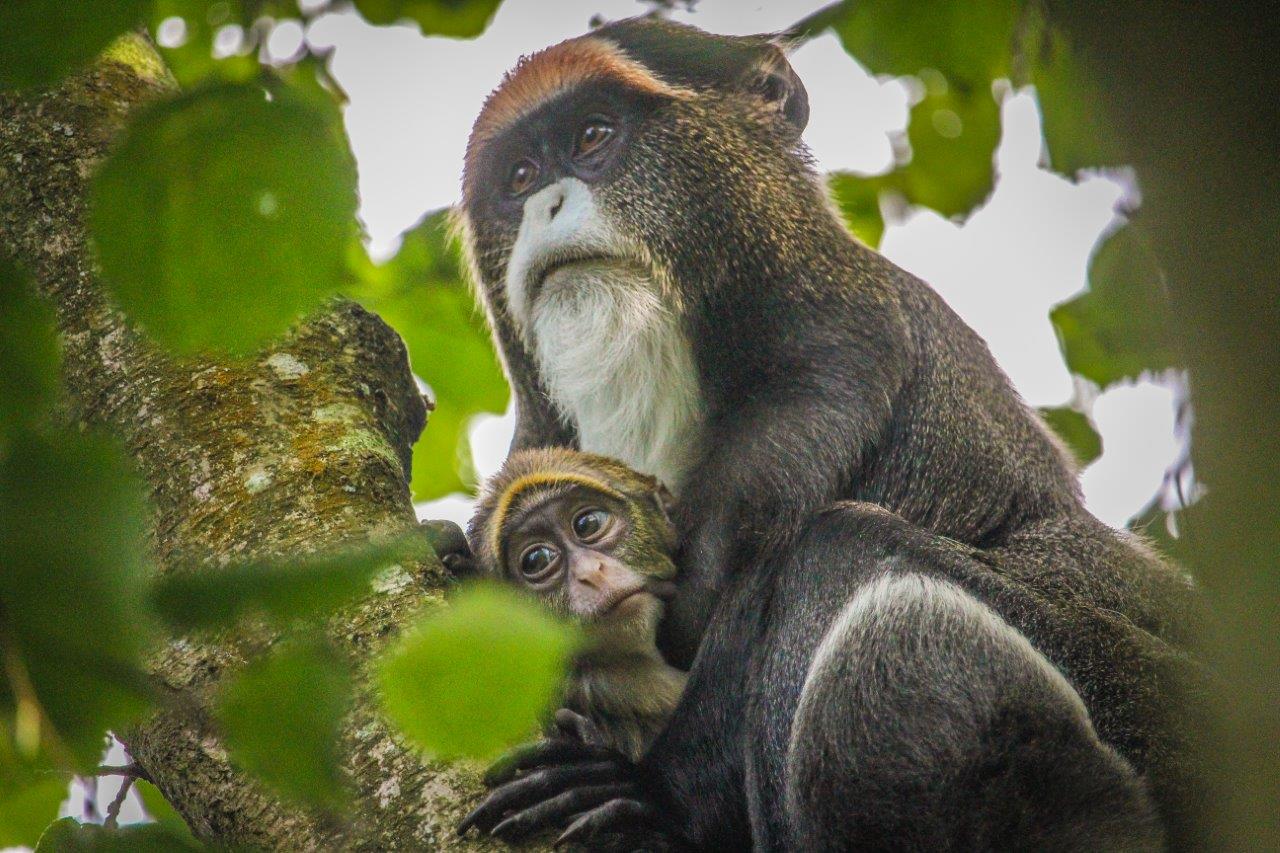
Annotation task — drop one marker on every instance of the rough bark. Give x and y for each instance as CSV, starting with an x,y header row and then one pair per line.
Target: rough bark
x,y
303,446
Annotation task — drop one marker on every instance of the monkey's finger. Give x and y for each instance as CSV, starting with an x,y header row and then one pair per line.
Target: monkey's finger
x,y
619,815
554,811
535,787
575,725
554,751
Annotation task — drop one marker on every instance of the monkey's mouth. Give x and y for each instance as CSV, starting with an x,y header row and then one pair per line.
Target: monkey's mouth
x,y
615,602
557,261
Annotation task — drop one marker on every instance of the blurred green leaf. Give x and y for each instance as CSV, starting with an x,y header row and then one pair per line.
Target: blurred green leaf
x,y
45,40
442,456
1159,526
968,42
286,588
1071,99
858,199
957,50
28,354
953,133
423,294
1075,431
476,677
162,812
69,836
72,591
455,18
282,718
27,807
1122,325
191,60
224,215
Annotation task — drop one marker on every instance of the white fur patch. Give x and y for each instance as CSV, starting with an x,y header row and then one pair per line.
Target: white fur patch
x,y
612,351
618,366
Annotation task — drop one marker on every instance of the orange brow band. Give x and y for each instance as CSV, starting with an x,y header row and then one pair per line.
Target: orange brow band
x,y
541,76
540,478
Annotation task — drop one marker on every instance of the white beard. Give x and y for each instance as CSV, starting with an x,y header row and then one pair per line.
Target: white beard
x,y
619,368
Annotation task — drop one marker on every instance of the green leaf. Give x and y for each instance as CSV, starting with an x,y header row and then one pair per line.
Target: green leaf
x,y
442,456
28,354
69,836
282,717
224,215
162,812
192,62
858,199
45,40
1121,326
73,548
970,42
1159,526
1072,101
423,294
476,677
26,809
283,589
454,18
957,50
953,132
1075,431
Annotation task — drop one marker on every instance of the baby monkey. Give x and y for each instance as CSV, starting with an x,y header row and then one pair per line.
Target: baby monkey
x,y
592,539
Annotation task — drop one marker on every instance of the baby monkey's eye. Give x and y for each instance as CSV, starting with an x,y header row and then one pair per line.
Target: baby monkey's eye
x,y
593,135
523,174
589,523
538,562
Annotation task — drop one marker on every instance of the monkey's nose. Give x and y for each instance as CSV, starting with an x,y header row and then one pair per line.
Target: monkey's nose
x,y
556,204
592,578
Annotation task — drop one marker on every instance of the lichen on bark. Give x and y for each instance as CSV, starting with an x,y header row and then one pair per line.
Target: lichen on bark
x,y
304,446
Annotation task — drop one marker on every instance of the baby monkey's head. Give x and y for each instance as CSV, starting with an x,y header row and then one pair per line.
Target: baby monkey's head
x,y
587,535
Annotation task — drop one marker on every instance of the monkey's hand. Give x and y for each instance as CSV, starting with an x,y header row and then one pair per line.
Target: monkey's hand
x,y
569,779
451,547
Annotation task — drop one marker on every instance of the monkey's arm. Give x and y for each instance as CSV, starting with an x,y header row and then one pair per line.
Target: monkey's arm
x,y
536,422
792,451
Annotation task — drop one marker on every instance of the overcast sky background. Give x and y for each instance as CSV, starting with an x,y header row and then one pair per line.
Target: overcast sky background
x,y
413,99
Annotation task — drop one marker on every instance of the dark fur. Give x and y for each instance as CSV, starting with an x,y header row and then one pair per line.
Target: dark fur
x,y
831,376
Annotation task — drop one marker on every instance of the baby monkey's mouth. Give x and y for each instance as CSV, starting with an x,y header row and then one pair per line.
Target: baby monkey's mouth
x,y
615,600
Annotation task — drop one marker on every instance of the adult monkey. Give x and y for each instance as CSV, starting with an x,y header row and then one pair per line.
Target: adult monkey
x,y
909,633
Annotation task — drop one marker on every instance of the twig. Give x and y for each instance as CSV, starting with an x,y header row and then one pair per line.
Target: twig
x,y
113,810
812,25
131,771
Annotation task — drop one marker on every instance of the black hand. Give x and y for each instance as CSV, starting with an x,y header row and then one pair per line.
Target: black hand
x,y
541,786
451,546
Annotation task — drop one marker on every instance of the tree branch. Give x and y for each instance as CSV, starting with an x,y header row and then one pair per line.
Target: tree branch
x,y
243,459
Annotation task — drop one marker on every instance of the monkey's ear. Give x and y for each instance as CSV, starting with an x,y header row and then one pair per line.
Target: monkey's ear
x,y
664,500
776,82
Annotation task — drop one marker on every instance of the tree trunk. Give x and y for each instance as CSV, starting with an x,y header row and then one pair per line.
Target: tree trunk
x,y
304,446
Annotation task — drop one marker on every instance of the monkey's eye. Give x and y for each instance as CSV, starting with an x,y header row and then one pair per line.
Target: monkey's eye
x,y
588,523
522,176
538,563
594,135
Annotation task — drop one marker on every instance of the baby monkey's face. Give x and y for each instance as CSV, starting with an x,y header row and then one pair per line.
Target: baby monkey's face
x,y
577,551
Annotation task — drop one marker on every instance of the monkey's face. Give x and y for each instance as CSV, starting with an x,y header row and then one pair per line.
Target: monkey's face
x,y
607,162
579,551
542,217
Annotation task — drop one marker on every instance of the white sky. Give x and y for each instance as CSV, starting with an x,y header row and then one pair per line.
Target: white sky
x,y
413,100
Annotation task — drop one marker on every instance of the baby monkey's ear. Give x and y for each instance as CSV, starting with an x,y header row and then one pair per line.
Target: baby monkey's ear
x,y
665,504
